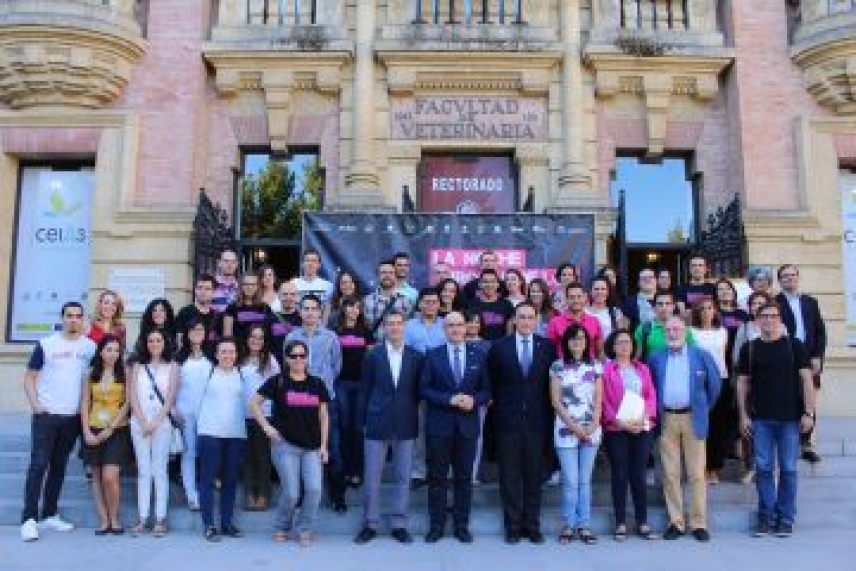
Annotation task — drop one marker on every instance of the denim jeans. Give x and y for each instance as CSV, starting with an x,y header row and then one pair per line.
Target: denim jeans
x,y
297,466
223,457
53,437
350,405
577,465
776,438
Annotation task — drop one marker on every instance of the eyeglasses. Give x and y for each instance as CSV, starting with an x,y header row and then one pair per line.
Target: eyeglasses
x,y
297,355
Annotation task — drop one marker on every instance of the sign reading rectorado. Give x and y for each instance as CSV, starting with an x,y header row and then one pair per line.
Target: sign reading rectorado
x,y
473,118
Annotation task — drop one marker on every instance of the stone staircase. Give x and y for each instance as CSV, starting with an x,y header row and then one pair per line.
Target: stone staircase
x,y
827,494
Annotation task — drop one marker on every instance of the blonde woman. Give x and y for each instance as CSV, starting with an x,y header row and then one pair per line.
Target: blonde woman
x,y
107,318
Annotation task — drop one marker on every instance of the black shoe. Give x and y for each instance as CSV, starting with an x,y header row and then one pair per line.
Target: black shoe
x,y
433,536
784,529
672,533
231,531
103,531
762,529
401,535
512,538
463,535
701,534
810,456
366,534
339,506
211,534
416,483
535,537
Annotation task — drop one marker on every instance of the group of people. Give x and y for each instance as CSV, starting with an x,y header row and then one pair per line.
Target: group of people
x,y
326,384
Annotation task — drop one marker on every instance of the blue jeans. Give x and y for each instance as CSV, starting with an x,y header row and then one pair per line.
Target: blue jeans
x,y
772,438
297,468
577,465
223,457
350,404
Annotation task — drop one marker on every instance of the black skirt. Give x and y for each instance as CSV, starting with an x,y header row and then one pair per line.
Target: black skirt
x,y
115,451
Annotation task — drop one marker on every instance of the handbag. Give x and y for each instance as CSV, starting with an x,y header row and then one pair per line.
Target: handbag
x,y
176,438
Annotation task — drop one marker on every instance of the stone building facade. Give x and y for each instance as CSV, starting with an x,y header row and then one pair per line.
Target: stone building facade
x,y
162,97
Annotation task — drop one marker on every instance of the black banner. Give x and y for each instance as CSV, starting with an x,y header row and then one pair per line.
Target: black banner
x,y
532,242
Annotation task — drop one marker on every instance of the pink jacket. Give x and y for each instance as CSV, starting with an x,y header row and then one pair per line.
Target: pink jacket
x,y
613,392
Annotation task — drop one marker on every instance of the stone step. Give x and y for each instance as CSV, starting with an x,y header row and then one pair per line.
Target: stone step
x,y
484,520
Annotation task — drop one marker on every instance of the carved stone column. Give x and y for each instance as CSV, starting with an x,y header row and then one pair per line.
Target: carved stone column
x,y
574,177
362,184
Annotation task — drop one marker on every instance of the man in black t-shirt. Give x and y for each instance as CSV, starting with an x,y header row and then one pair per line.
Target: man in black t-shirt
x,y
696,289
775,377
495,311
200,309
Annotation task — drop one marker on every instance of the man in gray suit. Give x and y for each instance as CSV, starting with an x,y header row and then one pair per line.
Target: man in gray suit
x,y
391,372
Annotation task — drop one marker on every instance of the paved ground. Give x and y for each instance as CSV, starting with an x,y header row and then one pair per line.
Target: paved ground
x,y
817,551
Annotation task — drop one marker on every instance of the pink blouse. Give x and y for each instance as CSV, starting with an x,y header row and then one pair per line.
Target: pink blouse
x,y
613,392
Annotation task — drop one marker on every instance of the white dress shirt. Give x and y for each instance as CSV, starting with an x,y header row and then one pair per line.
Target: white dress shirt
x,y
796,309
395,357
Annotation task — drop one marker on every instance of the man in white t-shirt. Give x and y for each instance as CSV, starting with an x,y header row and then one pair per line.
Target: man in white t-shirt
x,y
53,385
310,282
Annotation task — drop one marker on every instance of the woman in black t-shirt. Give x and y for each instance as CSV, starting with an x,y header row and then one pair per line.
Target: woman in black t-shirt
x,y
248,310
355,339
298,429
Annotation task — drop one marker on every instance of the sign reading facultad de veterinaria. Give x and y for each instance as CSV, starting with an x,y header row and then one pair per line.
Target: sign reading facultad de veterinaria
x,y
532,242
469,118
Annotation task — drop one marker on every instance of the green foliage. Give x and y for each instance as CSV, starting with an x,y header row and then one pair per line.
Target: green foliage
x,y
272,204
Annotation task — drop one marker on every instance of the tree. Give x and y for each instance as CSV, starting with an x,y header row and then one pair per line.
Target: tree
x,y
272,203
677,235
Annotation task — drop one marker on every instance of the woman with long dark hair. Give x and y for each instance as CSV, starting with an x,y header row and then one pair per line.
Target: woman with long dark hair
x,y
154,384
515,285
157,315
269,287
539,296
106,440
344,287
193,358
355,339
257,366
451,297
576,391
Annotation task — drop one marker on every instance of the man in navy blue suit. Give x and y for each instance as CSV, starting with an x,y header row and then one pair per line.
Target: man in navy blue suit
x,y
454,386
519,373
390,378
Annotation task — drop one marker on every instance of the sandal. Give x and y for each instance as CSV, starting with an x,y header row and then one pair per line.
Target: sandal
x,y
586,536
160,529
645,532
567,535
620,533
306,538
139,529
281,536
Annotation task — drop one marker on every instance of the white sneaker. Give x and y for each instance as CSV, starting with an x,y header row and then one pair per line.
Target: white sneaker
x,y
29,530
56,523
555,478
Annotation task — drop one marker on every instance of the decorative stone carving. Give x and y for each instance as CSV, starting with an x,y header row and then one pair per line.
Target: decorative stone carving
x,y
825,49
279,75
66,53
657,80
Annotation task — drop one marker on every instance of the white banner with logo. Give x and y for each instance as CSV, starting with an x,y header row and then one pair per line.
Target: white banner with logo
x,y
847,187
52,257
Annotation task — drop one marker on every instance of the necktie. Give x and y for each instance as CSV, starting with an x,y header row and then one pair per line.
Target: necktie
x,y
525,356
457,369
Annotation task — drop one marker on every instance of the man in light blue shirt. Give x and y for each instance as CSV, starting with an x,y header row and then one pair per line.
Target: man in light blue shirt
x,y
401,262
424,332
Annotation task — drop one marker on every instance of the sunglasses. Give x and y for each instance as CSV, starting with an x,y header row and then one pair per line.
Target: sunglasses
x,y
297,355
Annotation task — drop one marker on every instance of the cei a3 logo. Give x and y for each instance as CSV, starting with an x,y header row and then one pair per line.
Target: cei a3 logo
x,y
61,217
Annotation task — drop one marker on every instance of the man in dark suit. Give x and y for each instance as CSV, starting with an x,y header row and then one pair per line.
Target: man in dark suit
x,y
454,386
519,373
390,380
801,316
